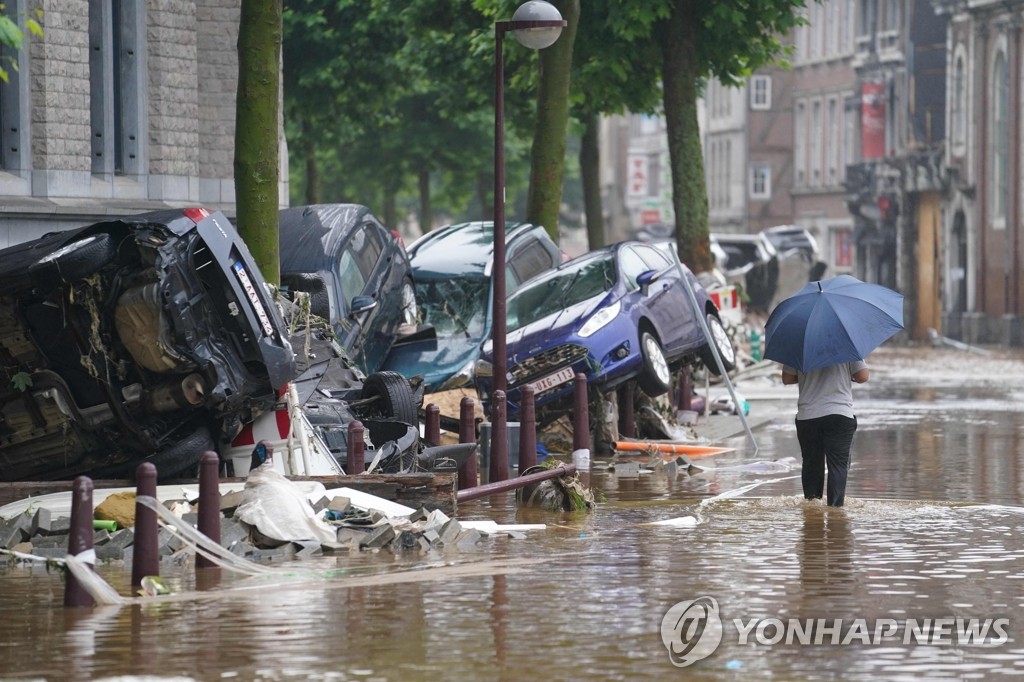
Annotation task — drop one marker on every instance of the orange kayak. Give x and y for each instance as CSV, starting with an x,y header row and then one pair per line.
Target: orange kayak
x,y
655,447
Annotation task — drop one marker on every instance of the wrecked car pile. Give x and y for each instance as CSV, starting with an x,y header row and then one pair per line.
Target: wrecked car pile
x,y
145,338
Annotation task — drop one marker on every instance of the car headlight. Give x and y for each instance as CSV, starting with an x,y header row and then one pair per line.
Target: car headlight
x,y
483,368
601,318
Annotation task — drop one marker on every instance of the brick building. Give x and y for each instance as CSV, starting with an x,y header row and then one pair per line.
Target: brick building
x,y
123,106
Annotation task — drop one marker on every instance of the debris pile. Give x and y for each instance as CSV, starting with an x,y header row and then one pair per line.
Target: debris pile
x,y
356,527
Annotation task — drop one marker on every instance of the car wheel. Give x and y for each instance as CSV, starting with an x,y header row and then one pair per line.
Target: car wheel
x,y
74,261
395,397
178,460
410,312
719,337
655,378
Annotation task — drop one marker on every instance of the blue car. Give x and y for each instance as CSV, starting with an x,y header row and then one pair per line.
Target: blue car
x,y
615,314
451,267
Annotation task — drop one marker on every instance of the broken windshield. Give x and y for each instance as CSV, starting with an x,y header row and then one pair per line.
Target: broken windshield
x,y
587,279
455,307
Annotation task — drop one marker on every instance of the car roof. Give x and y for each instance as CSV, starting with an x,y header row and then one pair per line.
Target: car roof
x,y
460,249
309,233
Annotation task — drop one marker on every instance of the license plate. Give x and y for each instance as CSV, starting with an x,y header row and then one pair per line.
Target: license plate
x,y
250,291
552,380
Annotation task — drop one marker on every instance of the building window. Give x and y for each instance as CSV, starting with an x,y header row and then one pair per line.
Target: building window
x,y
760,92
832,143
849,134
815,143
957,107
760,181
116,81
14,98
799,145
999,149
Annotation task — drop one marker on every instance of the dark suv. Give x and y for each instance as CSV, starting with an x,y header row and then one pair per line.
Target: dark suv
x,y
149,337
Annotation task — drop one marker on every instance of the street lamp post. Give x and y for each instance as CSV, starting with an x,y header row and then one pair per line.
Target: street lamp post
x,y
536,24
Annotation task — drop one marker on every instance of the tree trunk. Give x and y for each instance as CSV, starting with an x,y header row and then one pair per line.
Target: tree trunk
x,y
590,171
679,81
426,212
257,155
547,157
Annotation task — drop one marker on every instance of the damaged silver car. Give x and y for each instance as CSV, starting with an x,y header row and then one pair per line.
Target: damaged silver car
x,y
143,338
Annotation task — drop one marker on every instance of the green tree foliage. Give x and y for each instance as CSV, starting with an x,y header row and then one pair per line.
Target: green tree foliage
x,y
12,35
256,132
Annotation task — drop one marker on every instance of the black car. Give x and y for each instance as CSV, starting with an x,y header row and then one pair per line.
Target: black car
x,y
356,272
149,337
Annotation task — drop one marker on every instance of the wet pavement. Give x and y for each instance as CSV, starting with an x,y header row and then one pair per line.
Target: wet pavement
x,y
931,532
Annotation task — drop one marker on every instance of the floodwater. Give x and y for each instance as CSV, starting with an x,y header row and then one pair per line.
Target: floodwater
x,y
930,534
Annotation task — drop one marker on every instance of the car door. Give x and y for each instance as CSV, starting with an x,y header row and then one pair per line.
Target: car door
x,y
666,301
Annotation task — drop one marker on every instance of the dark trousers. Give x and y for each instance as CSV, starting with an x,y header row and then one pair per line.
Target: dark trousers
x,y
826,439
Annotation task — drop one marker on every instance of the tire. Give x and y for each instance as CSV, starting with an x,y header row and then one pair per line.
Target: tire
x,y
314,285
180,459
395,398
655,378
75,261
410,311
719,337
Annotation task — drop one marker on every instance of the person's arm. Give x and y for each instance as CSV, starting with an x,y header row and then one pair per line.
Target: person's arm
x,y
860,376
788,378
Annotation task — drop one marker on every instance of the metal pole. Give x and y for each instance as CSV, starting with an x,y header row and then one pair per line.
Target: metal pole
x,y
209,502
699,314
527,430
432,425
498,326
146,545
581,428
504,486
467,434
498,466
80,541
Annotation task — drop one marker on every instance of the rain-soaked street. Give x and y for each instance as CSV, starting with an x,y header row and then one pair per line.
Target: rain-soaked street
x,y
930,532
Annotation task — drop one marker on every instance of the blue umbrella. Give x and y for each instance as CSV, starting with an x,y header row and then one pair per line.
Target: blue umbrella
x,y
836,320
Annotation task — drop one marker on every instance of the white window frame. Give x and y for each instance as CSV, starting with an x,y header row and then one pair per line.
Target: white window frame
x,y
958,103
999,136
760,93
760,181
815,146
800,144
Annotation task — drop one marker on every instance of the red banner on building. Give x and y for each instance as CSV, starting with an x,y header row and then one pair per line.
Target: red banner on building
x,y
872,121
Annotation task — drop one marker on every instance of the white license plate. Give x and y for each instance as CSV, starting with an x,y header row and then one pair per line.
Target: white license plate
x,y
552,380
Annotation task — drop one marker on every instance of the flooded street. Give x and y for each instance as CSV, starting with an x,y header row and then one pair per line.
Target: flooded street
x,y
931,532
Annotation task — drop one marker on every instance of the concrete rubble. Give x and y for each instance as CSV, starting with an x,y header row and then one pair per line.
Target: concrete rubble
x,y
42,533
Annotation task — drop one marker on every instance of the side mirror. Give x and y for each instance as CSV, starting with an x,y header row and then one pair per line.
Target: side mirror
x,y
360,304
646,277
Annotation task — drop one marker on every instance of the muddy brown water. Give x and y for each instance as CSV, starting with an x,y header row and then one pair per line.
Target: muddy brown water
x,y
931,532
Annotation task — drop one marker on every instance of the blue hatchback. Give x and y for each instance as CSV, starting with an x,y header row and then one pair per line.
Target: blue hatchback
x,y
615,314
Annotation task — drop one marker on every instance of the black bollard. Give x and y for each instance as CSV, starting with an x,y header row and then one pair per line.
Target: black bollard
x,y
467,434
627,417
209,502
356,447
685,398
80,540
527,430
498,466
145,546
432,426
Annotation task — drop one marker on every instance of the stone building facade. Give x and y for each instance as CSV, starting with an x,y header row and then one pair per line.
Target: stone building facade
x,y
123,106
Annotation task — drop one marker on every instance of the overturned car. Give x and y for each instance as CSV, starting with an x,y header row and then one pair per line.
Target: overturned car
x,y
143,338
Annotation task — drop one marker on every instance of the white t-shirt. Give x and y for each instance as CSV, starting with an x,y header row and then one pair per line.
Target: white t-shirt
x,y
826,391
